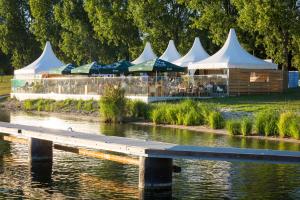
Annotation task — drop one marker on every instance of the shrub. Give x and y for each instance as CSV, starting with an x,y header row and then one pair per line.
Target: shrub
x,y
27,104
205,110
246,126
271,127
79,105
266,123
112,104
289,125
88,105
171,114
137,109
233,127
158,116
295,128
40,105
216,120
192,118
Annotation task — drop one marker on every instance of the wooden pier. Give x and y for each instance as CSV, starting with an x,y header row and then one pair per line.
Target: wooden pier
x,y
155,158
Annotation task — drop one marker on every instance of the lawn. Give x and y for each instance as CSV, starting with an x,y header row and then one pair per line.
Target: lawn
x,y
289,100
5,85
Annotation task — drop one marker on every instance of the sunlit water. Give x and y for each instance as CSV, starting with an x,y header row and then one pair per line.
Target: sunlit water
x,y
78,177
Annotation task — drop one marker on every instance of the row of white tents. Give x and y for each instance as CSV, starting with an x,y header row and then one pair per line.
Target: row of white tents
x,y
231,55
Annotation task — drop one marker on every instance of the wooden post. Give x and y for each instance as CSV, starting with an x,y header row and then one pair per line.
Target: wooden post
x,y
40,150
155,173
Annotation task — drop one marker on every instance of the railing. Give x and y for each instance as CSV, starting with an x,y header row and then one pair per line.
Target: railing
x,y
203,85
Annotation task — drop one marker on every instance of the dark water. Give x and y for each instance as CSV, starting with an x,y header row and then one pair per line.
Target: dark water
x,y
77,177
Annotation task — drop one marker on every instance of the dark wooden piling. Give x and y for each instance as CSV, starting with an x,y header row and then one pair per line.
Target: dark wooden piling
x,y
40,150
155,173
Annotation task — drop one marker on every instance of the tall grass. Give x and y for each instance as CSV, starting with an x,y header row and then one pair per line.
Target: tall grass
x,y
67,105
246,126
233,127
289,125
266,123
188,112
216,120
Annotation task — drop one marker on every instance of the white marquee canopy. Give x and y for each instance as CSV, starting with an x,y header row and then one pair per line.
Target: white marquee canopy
x,y
43,64
146,55
232,55
195,54
171,54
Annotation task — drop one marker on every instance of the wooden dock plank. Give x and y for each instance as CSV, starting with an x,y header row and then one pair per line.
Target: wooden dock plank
x,y
145,148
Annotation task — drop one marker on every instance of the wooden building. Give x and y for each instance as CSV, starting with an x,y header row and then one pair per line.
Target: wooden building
x,y
246,73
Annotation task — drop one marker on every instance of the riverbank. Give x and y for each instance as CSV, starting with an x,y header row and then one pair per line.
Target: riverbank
x,y
94,117
187,115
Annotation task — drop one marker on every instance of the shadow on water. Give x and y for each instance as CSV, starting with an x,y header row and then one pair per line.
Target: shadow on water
x,y
41,173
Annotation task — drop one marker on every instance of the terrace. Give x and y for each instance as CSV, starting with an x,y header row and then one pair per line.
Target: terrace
x,y
145,88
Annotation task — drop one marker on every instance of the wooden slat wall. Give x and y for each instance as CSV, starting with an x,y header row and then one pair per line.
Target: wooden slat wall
x,y
239,82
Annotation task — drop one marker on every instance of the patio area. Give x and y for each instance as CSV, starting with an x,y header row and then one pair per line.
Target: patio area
x,y
141,87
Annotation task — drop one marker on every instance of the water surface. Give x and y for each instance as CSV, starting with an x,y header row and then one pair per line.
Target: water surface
x,y
77,177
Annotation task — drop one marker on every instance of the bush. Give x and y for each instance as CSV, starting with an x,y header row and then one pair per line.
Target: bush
x,y
158,116
112,104
233,127
79,105
40,105
295,128
28,105
88,105
171,114
137,109
266,123
192,118
289,125
246,126
216,120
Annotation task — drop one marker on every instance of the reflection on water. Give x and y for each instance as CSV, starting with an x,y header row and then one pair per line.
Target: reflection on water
x,y
74,176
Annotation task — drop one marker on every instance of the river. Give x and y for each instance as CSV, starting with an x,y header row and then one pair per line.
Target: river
x,y
78,177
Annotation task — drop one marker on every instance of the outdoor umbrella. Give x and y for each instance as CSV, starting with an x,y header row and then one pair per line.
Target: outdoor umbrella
x,y
156,65
91,68
115,68
66,69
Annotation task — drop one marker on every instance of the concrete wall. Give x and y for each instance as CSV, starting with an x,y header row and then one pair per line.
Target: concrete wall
x,y
59,97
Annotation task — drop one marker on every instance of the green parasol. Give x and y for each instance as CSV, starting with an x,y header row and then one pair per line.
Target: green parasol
x,y
91,68
66,69
156,65
115,68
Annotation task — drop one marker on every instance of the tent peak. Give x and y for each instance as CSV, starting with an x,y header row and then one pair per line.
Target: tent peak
x,y
232,55
171,54
146,55
195,54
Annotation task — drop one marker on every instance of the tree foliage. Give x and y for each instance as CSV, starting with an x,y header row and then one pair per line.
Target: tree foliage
x,y
82,31
16,40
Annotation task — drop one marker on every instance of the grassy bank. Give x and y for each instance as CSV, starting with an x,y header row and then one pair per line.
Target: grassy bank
x,y
5,85
274,115
288,101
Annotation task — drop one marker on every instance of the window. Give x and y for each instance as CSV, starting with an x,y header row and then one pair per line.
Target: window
x,y
259,77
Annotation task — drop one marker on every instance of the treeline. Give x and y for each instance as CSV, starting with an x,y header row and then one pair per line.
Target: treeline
x,y
82,31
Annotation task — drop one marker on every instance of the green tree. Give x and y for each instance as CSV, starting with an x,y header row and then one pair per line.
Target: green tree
x,y
112,23
77,41
44,26
16,41
216,18
160,21
277,25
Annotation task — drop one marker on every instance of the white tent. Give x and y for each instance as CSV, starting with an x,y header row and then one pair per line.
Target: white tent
x,y
195,54
171,54
146,55
232,55
43,64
